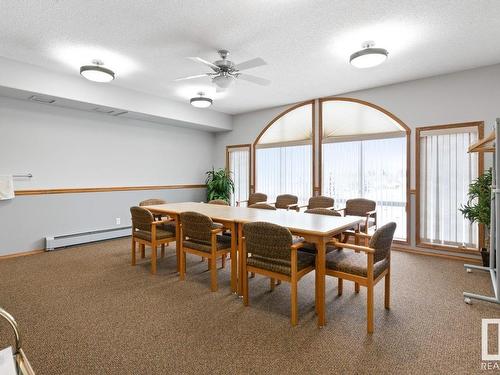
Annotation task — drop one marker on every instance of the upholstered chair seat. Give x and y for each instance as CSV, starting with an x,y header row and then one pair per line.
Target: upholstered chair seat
x,y
353,263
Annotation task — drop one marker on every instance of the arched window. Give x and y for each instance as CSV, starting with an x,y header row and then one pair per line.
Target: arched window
x,y
283,154
364,155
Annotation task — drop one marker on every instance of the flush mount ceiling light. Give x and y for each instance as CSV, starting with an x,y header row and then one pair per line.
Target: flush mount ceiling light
x,y
369,56
97,72
201,101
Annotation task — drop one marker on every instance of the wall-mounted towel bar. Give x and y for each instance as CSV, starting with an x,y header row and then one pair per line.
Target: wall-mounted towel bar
x,y
29,175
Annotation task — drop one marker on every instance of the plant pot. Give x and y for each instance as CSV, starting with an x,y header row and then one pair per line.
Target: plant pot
x,y
485,254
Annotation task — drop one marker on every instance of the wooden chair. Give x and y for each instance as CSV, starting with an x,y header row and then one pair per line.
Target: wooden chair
x,y
152,202
319,202
148,231
273,254
253,199
199,237
169,223
220,202
286,202
364,269
262,206
362,207
310,247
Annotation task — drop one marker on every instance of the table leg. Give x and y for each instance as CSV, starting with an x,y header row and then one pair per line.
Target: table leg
x,y
178,240
320,283
234,262
240,259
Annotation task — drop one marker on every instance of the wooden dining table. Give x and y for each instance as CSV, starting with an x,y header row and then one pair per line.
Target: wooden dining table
x,y
317,229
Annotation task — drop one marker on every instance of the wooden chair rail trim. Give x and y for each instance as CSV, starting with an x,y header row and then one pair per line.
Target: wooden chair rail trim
x,y
106,189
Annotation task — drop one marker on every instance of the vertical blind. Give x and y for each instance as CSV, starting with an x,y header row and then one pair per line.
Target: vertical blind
x,y
284,170
446,170
239,159
374,169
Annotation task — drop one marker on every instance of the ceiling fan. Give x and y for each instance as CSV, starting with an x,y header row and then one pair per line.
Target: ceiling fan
x,y
225,72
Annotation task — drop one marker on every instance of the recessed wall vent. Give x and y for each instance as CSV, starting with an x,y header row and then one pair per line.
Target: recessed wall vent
x,y
119,113
42,99
110,111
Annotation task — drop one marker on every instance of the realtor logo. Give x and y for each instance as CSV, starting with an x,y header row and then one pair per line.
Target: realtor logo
x,y
485,354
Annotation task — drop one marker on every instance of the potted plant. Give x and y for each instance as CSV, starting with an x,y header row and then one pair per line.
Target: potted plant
x,y
478,207
220,185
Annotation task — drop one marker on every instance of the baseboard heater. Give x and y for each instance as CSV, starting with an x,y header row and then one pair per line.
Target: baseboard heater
x,y
55,242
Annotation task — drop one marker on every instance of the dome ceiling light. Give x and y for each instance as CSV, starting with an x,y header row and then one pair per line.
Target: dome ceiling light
x,y
97,72
201,101
369,56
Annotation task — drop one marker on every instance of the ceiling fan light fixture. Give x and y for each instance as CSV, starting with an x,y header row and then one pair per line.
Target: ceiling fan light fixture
x,y
97,72
369,56
223,81
201,101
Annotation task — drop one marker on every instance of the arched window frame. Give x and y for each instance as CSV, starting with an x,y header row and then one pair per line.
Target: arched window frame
x,y
408,152
253,178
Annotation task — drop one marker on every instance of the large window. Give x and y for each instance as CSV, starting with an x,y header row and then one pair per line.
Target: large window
x,y
283,155
445,170
238,163
372,169
364,155
284,170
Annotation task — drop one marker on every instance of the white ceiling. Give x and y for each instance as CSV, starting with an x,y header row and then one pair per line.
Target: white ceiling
x,y
305,43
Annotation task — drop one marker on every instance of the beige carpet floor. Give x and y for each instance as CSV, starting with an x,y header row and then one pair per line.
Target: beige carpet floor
x,y
85,310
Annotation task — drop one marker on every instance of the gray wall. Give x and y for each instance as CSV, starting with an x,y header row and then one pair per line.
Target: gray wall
x,y
472,95
66,148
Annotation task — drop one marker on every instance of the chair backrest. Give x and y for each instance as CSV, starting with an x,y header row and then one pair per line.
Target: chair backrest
x,y
256,198
282,201
263,206
196,226
141,218
268,240
219,202
381,241
322,211
320,202
152,201
359,206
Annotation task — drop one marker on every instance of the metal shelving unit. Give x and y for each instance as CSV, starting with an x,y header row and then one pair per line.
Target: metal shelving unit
x,y
485,145
23,366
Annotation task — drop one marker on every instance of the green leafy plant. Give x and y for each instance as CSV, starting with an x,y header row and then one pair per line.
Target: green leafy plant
x,y
478,206
220,185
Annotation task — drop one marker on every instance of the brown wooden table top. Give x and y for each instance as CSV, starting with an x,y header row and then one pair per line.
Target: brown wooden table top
x,y
297,222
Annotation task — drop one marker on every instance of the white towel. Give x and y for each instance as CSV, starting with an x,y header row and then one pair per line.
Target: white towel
x,y
6,187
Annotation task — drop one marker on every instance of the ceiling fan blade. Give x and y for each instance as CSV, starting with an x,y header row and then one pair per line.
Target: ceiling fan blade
x,y
249,64
191,77
208,63
254,79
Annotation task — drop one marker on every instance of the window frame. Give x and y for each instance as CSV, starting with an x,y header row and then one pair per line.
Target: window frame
x,y
408,154
480,168
253,177
245,145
